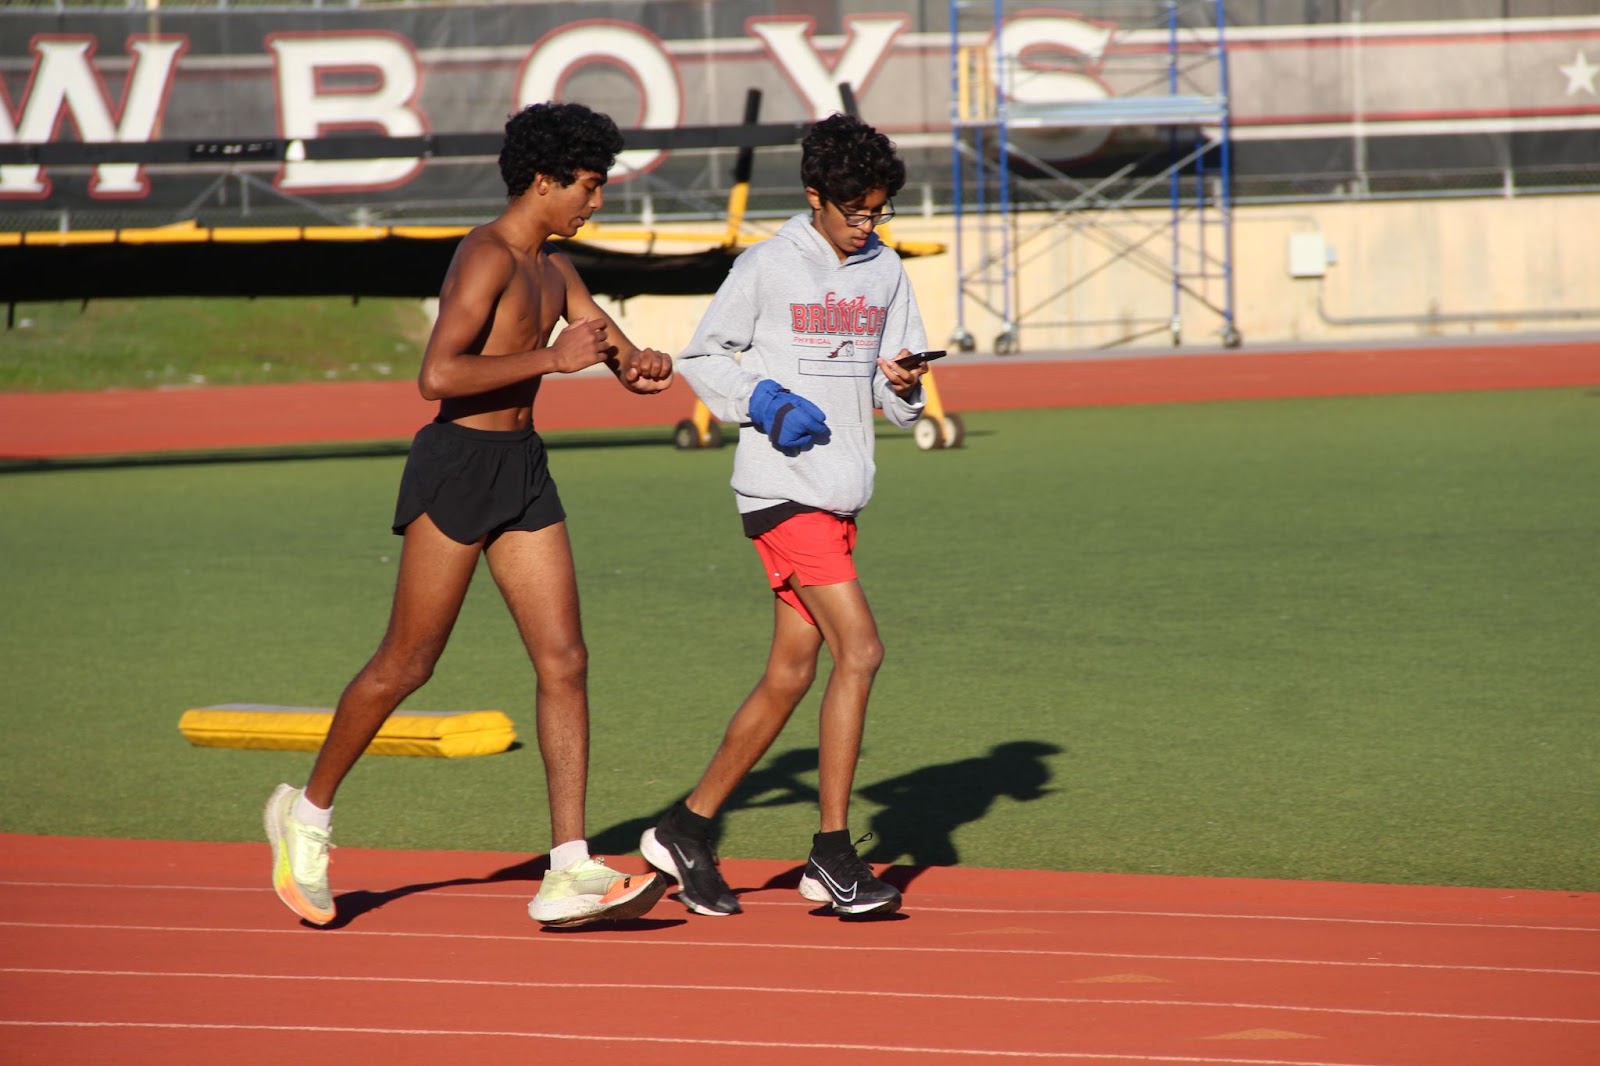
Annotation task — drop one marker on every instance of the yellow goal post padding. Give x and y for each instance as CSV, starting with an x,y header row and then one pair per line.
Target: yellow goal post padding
x,y
449,734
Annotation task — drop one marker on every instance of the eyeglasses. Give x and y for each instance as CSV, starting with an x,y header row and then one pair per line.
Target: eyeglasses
x,y
858,219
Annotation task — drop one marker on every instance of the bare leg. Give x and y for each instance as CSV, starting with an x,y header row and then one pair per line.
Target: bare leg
x,y
847,625
535,573
540,586
791,667
435,573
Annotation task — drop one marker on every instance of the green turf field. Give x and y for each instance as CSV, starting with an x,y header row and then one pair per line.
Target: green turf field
x,y
151,343
1347,639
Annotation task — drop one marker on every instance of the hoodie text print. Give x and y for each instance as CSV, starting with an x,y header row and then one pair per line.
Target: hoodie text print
x,y
791,311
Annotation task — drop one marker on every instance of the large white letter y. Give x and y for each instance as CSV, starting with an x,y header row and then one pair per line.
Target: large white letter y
x,y
867,41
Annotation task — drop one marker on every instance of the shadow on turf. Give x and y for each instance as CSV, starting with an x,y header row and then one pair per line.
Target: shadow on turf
x,y
922,810
775,783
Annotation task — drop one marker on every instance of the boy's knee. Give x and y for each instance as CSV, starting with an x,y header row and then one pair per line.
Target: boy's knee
x,y
792,679
402,672
864,657
567,664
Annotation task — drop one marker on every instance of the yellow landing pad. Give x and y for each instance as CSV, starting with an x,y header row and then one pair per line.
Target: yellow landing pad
x,y
449,734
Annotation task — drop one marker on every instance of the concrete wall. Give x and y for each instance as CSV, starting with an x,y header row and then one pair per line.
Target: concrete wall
x,y
1400,270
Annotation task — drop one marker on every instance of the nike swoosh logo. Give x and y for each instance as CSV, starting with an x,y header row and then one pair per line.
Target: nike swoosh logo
x,y
846,895
683,860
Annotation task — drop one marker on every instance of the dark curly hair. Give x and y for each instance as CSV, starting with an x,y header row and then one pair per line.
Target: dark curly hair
x,y
556,140
843,159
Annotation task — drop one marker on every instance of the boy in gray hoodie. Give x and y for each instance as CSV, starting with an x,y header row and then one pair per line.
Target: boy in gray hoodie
x,y
799,346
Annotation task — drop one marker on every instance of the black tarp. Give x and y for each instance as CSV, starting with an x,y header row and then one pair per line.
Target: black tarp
x,y
390,266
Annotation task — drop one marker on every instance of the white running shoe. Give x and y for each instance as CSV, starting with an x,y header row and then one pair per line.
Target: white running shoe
x,y
299,858
591,891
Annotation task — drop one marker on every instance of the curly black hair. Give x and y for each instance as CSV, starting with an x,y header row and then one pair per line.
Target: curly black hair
x,y
843,159
556,140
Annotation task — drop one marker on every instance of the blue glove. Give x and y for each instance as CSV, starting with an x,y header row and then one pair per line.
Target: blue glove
x,y
789,420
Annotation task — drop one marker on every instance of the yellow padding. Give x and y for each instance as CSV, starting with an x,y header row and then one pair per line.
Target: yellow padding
x,y
451,734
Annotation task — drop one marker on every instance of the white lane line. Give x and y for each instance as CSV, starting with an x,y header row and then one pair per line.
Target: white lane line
x,y
638,1038
1065,912
638,986
549,940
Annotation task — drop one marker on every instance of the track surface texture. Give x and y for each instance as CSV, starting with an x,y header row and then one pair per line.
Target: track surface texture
x,y
158,952
45,426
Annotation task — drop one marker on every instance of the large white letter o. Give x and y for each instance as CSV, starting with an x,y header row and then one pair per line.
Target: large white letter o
x,y
627,46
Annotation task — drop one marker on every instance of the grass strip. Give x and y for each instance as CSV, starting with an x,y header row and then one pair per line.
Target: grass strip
x,y
1345,639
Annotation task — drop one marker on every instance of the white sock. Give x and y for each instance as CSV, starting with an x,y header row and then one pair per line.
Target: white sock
x,y
569,854
307,813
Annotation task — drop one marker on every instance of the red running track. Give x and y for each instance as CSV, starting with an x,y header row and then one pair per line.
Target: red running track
x,y
139,952
62,425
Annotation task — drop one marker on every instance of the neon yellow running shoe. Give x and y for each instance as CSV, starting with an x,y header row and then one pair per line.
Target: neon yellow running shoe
x,y
299,858
591,891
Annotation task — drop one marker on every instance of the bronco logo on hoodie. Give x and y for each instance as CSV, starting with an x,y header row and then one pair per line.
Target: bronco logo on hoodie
x,y
837,316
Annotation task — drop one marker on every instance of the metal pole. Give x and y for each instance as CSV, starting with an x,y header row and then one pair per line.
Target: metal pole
x,y
1174,184
1230,333
1358,91
1007,341
958,192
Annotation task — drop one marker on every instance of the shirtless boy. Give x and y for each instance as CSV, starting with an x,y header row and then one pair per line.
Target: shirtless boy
x,y
476,483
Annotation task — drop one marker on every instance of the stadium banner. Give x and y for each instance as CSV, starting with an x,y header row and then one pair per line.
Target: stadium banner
x,y
1329,99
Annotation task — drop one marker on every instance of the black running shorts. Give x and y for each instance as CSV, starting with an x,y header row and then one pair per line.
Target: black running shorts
x,y
475,483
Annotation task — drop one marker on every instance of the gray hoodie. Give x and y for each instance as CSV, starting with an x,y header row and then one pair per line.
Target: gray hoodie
x,y
816,326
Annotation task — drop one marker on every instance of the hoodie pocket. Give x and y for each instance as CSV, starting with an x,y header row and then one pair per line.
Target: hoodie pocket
x,y
842,387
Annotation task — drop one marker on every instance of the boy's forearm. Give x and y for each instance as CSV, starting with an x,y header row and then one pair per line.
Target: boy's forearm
x,y
464,374
622,351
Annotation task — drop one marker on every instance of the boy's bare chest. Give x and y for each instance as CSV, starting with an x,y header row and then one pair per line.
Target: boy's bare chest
x,y
533,300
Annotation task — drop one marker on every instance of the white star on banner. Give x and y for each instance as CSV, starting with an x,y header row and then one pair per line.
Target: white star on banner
x,y
1580,75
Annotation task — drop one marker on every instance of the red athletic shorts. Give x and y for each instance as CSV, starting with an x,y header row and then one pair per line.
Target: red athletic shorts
x,y
809,549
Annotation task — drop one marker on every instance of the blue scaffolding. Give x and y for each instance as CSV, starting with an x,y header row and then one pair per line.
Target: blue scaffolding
x,y
1152,72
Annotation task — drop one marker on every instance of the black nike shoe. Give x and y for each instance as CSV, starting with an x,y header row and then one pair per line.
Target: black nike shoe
x,y
840,877
690,861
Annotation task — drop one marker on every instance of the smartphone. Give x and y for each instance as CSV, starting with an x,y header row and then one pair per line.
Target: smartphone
x,y
916,359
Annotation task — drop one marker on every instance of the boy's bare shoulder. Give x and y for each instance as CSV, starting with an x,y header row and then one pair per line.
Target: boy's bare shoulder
x,y
485,237
558,260
484,254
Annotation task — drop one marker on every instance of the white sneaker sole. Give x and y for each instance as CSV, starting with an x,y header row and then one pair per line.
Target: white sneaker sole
x,y
660,857
815,891
811,889
581,910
